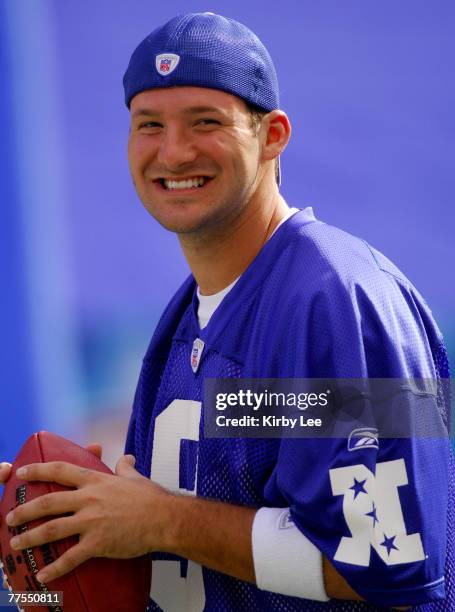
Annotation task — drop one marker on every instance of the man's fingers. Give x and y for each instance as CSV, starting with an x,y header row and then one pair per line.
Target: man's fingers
x,y
64,564
56,471
50,504
5,471
53,530
96,449
125,467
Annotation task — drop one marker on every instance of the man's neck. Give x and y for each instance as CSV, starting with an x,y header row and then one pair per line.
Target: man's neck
x,y
217,259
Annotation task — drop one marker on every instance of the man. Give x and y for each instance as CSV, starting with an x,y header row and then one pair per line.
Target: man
x,y
266,524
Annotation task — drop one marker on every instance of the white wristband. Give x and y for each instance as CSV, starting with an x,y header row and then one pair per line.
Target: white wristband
x,y
285,561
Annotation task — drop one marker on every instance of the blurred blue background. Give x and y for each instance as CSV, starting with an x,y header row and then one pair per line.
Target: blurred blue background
x,y
85,272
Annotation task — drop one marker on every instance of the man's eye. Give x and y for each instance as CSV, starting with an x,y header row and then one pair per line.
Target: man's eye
x,y
207,122
149,124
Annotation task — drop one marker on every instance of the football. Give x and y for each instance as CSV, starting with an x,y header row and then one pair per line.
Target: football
x,y
95,586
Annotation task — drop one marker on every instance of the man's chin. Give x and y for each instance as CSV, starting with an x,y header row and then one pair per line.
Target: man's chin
x,y
183,226
187,220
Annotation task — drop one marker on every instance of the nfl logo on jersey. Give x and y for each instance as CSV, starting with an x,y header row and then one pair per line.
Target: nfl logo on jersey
x,y
196,352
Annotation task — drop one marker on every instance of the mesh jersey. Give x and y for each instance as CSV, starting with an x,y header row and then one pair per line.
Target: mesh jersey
x,y
316,302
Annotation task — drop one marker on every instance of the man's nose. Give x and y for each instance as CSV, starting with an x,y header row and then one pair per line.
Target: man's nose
x,y
176,149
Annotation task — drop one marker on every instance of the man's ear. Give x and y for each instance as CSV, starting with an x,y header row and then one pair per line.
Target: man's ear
x,y
277,131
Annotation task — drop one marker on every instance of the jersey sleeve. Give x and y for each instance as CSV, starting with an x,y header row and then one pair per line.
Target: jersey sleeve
x,y
377,512
379,515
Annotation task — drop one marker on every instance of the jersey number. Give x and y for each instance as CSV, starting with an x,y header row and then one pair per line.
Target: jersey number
x,y
179,422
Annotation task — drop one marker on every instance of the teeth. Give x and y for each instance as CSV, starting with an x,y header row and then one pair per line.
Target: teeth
x,y
194,182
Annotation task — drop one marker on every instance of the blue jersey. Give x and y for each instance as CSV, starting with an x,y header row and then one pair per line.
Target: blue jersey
x,y
315,303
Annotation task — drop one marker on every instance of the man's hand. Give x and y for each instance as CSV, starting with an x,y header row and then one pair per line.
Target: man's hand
x,y
5,467
5,471
117,516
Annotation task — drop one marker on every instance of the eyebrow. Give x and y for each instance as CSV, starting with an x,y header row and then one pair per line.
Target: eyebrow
x,y
192,110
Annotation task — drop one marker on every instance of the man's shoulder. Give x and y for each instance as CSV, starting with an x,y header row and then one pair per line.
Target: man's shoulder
x,y
348,301
332,272
321,256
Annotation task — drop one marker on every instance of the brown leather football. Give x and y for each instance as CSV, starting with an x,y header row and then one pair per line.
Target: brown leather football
x,y
120,585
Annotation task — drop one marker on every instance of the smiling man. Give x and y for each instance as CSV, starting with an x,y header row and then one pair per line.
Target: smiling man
x,y
176,129
204,170
258,524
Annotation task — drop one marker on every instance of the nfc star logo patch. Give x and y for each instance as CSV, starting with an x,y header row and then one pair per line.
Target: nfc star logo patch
x,y
166,63
196,352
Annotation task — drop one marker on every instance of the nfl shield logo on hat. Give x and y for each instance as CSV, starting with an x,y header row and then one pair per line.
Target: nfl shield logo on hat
x,y
166,63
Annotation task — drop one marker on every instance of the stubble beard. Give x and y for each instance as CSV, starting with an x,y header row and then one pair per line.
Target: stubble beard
x,y
211,224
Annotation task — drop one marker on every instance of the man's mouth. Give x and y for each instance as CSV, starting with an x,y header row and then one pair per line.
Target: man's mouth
x,y
194,182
